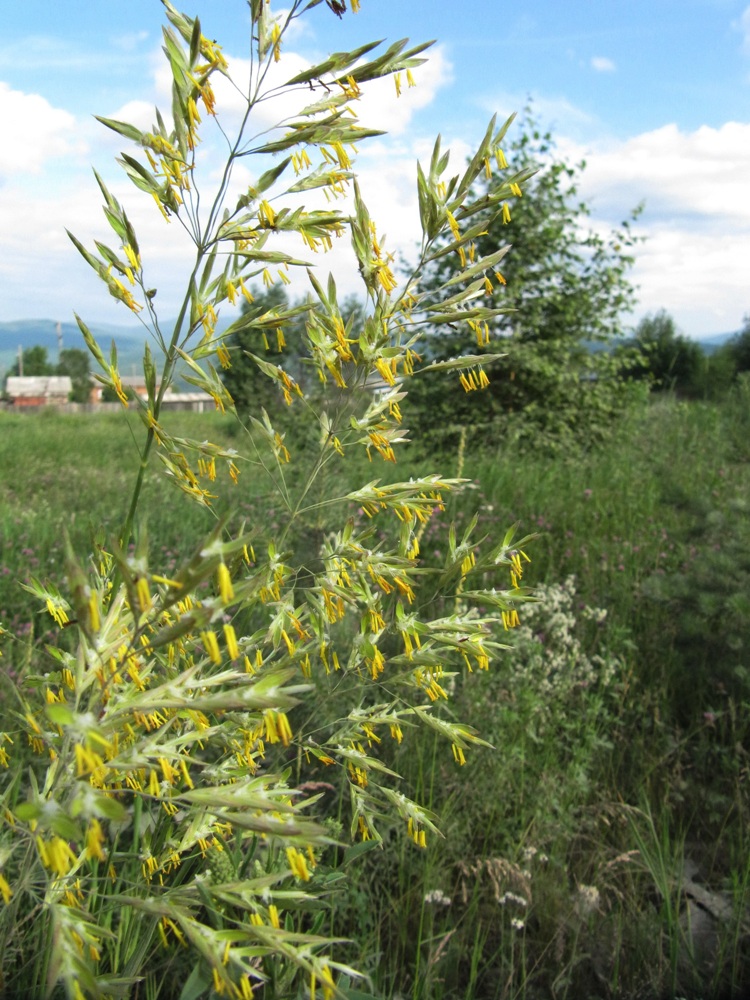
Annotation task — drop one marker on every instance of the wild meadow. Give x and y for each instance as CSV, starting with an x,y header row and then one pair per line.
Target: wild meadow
x,y
297,703
600,848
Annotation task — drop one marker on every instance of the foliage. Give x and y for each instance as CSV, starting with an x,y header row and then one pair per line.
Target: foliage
x,y
703,595
35,362
550,658
738,348
581,862
75,363
561,295
720,373
179,726
666,358
725,367
249,387
458,920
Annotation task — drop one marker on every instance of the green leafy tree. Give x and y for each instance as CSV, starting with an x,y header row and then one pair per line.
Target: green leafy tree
x,y
725,366
75,363
720,373
562,293
728,363
35,362
739,347
665,357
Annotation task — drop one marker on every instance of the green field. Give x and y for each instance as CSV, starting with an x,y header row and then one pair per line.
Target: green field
x,y
601,849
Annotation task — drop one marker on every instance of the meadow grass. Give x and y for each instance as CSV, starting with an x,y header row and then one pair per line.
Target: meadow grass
x,y
71,474
620,787
619,721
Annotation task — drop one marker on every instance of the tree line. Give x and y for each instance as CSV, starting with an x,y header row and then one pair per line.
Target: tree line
x,y
669,360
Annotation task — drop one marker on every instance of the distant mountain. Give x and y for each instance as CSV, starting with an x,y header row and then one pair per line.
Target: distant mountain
x,y
708,344
715,341
30,330
25,333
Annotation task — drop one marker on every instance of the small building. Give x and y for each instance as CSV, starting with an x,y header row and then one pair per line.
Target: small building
x,y
38,390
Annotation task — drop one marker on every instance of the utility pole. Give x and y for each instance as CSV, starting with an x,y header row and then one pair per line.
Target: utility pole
x,y
20,360
58,331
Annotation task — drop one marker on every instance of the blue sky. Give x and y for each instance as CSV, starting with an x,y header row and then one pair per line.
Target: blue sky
x,y
655,96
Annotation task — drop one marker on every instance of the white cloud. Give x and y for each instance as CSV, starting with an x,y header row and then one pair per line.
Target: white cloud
x,y
41,272
138,113
231,99
602,65
555,112
696,189
131,41
705,173
298,28
34,132
697,278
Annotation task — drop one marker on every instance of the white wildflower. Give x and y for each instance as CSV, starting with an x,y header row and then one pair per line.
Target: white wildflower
x,y
512,897
588,899
436,897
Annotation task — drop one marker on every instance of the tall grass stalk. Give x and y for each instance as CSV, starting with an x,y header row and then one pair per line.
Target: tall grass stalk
x,y
185,716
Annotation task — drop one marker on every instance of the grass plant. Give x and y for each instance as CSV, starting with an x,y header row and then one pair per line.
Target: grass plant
x,y
169,737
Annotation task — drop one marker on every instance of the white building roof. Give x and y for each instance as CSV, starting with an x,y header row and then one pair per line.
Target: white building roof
x,y
18,386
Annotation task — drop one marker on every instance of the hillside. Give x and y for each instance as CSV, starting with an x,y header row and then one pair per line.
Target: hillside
x,y
715,341
27,333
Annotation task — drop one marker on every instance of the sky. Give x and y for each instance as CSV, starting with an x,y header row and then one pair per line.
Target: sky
x,y
653,96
